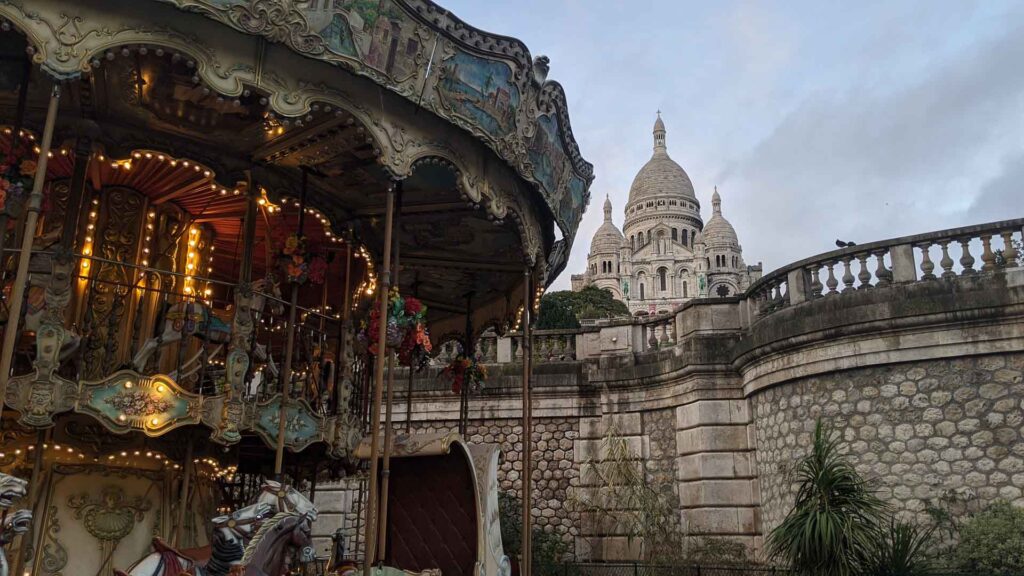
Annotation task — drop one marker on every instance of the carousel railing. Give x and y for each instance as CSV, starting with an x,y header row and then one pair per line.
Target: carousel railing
x,y
129,316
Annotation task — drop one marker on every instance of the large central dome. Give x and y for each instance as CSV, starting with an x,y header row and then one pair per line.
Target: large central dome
x,y
661,175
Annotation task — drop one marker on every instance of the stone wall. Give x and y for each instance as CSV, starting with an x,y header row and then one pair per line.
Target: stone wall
x,y
917,428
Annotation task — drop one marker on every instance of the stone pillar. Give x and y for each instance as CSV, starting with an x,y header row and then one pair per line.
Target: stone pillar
x,y
718,488
903,267
504,350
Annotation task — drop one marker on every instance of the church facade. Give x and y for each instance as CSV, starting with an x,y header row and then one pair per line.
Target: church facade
x,y
665,254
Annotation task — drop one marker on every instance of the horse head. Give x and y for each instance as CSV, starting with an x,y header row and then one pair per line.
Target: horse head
x,y
242,524
11,489
284,498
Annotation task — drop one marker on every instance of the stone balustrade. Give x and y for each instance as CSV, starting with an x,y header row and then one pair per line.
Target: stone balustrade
x,y
887,262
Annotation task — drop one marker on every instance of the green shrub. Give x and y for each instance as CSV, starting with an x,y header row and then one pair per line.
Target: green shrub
x,y
900,550
992,541
548,549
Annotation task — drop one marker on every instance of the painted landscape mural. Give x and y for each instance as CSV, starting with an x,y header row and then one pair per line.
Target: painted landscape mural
x,y
480,90
374,31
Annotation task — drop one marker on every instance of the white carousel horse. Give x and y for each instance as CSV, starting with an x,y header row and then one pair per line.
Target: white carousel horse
x,y
194,318
283,498
231,534
281,543
11,489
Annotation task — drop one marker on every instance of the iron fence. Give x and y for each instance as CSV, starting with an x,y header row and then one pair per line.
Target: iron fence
x,y
640,569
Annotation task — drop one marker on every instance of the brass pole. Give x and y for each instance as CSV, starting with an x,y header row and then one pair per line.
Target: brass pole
x,y
408,404
289,351
35,202
389,433
179,526
34,495
527,480
372,502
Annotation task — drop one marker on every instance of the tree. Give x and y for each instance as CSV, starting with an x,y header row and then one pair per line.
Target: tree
x,y
565,309
833,528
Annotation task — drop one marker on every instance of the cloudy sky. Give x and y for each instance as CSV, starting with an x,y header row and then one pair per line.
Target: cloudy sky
x,y
816,120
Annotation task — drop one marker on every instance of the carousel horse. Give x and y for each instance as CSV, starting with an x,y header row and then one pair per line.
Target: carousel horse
x,y
231,533
11,489
282,498
194,318
274,549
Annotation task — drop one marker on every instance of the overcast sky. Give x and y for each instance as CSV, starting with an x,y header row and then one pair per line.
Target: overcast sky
x,y
816,120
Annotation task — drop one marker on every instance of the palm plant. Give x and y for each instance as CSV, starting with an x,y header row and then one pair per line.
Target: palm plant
x,y
900,550
834,523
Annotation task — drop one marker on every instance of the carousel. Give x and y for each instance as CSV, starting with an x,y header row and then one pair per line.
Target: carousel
x,y
223,225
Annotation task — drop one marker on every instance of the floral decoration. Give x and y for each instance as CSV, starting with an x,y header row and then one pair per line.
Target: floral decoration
x,y
300,263
405,330
465,371
138,403
17,170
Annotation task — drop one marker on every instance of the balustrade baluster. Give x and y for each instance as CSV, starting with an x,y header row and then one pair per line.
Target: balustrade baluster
x,y
847,274
882,273
570,347
813,271
652,341
947,261
864,276
927,266
517,343
664,336
832,283
988,258
966,260
1009,249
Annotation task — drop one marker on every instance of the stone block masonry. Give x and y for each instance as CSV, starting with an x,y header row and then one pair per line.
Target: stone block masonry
x,y
915,429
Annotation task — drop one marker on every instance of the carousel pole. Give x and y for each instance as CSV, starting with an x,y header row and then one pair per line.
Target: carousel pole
x,y
35,202
389,433
524,564
249,230
289,352
179,525
378,388
341,365
35,492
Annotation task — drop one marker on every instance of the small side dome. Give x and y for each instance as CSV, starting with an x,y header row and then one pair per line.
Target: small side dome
x,y
608,238
718,232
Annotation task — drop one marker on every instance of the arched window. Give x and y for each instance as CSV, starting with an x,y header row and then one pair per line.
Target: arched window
x,y
685,295
662,280
632,242
648,236
684,235
675,234
693,236
641,291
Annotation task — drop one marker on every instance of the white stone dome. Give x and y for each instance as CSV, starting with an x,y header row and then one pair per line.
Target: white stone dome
x,y
661,175
718,231
608,238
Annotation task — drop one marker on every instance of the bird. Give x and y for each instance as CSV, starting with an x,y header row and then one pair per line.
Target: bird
x,y
842,244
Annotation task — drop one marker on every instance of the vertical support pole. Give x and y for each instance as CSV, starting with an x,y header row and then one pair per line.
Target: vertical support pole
x,y
69,229
289,352
372,501
525,568
35,203
467,350
389,432
408,404
34,498
179,524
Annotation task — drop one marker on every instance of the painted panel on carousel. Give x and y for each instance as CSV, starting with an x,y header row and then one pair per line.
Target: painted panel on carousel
x,y
127,401
302,425
481,91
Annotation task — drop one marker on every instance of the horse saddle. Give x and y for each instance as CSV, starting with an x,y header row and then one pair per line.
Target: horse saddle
x,y
199,556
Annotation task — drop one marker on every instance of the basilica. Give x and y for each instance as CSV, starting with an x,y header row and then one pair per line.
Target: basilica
x,y
665,254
